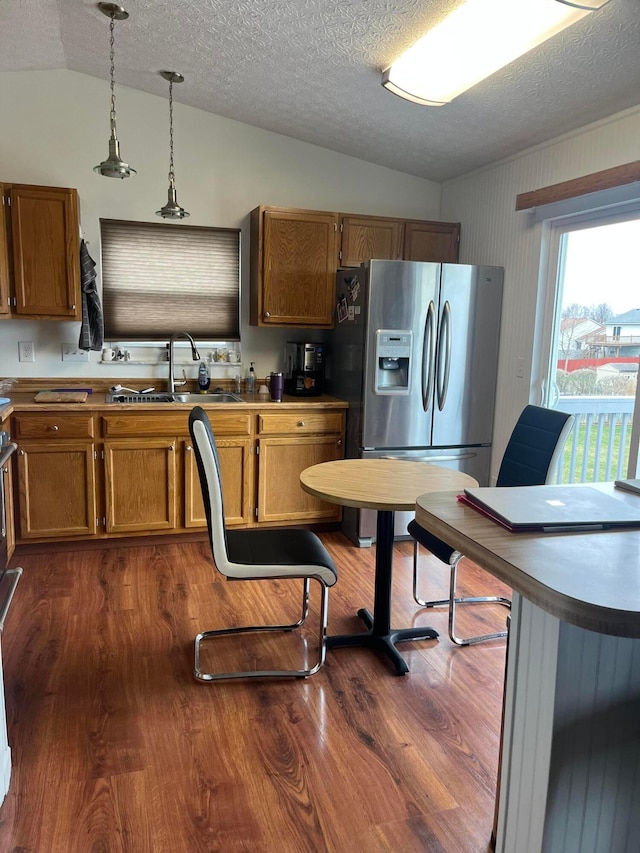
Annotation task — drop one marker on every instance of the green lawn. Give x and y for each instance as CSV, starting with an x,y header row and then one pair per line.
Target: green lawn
x,y
601,474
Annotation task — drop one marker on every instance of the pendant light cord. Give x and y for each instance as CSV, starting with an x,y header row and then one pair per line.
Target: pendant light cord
x,y
112,72
171,172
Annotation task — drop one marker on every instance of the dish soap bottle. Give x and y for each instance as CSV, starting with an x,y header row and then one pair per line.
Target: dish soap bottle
x,y
203,378
251,379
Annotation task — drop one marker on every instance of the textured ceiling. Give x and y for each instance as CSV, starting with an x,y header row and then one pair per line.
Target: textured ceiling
x,y
310,69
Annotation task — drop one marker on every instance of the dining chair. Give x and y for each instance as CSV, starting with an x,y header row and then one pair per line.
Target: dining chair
x,y
530,459
252,555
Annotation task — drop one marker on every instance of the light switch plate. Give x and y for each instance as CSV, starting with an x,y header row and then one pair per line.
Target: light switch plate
x,y
70,352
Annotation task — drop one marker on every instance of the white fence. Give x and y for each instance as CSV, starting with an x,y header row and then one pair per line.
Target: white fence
x,y
596,418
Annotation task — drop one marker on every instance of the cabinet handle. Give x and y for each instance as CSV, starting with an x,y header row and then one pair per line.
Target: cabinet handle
x,y
188,448
21,453
171,447
339,442
301,423
73,307
53,428
267,315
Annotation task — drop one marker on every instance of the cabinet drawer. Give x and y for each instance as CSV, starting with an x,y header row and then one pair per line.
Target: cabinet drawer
x,y
305,421
52,426
174,423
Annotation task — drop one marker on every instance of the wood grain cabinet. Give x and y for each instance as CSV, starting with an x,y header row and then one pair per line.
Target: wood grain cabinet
x,y
56,476
122,473
295,255
151,479
289,442
293,264
7,474
40,253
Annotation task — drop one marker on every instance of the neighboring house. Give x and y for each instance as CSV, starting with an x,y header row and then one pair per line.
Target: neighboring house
x,y
625,370
621,336
575,333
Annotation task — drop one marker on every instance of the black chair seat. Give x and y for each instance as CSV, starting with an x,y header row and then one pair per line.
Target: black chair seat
x,y
437,547
278,547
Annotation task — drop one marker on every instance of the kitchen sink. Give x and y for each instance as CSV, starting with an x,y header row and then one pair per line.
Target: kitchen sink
x,y
162,397
214,397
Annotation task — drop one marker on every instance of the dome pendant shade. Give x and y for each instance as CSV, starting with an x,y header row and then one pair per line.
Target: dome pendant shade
x,y
172,209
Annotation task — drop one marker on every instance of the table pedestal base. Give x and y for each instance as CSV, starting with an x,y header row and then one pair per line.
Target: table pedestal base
x,y
384,643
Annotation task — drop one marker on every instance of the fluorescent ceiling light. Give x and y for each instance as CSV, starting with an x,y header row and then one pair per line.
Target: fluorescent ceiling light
x,y
474,41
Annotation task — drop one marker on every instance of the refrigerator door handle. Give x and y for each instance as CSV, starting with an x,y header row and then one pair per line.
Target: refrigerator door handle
x,y
433,459
443,366
428,356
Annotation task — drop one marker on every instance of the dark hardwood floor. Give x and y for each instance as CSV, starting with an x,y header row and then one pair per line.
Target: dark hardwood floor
x,y
117,749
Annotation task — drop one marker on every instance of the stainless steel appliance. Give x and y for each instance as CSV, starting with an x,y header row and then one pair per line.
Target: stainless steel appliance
x,y
304,368
8,581
415,353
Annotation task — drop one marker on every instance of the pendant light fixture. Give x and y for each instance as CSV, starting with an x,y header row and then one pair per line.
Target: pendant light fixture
x,y
113,166
172,209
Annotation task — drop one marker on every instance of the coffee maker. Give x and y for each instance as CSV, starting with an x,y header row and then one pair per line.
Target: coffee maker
x,y
304,368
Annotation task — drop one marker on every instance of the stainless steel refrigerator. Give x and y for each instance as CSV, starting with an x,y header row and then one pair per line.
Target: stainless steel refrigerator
x,y
415,353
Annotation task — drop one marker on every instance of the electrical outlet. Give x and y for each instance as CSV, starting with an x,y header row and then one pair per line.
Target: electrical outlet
x,y
70,352
26,351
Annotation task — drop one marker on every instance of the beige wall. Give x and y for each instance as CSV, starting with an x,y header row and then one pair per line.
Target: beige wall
x,y
494,233
55,127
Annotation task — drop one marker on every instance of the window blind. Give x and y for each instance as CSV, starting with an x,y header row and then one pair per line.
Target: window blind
x,y
157,278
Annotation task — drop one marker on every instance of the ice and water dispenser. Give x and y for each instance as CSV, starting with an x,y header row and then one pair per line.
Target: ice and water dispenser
x,y
393,361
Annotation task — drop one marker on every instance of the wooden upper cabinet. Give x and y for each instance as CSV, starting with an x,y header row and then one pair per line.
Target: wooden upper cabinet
x,y
431,241
4,261
293,265
42,233
365,237
295,255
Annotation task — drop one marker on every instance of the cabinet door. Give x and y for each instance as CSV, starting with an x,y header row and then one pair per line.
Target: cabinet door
x,y
236,467
6,473
45,243
298,265
432,241
56,490
140,480
281,461
366,237
4,260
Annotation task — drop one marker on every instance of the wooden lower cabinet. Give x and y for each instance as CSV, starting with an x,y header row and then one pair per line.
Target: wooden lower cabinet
x,y
134,474
140,485
56,490
236,470
289,442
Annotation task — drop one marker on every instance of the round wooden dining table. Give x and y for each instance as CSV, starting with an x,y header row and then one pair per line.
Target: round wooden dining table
x,y
385,485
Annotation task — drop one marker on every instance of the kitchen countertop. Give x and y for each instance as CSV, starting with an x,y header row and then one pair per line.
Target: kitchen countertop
x,y
23,401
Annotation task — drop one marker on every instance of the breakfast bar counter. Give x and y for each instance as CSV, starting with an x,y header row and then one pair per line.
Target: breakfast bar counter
x,y
570,751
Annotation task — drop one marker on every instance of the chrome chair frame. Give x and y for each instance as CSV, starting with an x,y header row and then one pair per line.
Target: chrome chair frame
x,y
512,473
296,544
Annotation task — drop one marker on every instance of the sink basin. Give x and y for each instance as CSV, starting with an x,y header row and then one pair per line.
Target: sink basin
x,y
116,397
217,397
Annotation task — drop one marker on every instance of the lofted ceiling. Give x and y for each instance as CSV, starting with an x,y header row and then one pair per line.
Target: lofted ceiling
x,y
310,69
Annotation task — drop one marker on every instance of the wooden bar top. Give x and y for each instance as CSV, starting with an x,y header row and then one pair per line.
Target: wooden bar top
x,y
591,580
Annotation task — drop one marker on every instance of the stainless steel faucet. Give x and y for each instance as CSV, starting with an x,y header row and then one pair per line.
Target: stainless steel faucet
x,y
195,355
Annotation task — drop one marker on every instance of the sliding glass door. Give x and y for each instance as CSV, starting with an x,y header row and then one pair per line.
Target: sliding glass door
x,y
593,342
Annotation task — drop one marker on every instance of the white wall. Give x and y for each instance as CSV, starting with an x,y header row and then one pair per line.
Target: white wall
x,y
55,128
494,233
